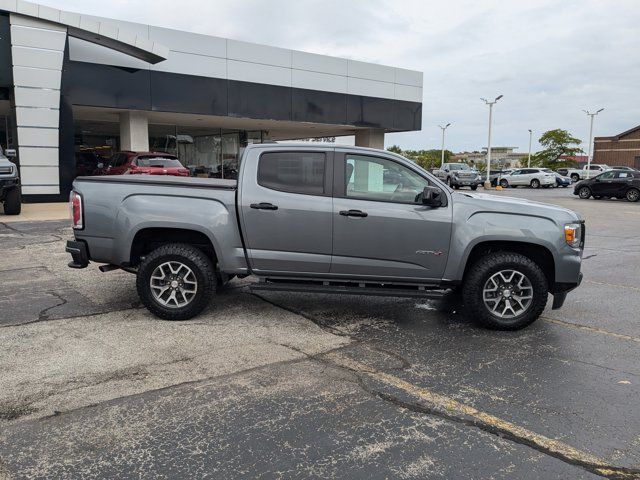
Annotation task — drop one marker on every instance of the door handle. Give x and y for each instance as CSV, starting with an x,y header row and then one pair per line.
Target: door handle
x,y
353,213
264,206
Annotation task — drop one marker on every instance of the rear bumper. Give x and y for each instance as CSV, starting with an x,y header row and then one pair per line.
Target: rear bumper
x,y
79,253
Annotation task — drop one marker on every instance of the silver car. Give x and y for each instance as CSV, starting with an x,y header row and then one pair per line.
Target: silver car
x,y
528,177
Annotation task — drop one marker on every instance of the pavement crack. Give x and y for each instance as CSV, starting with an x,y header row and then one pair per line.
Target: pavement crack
x,y
44,314
9,227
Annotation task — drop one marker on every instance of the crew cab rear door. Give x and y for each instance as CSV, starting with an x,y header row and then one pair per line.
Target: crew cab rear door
x,y
286,210
380,229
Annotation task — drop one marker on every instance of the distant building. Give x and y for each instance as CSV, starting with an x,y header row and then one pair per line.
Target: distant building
x,y
620,150
500,156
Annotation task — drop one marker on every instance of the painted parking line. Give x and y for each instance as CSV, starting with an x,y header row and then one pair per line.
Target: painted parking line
x,y
444,406
586,328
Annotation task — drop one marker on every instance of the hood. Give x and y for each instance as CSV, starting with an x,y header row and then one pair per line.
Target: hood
x,y
476,202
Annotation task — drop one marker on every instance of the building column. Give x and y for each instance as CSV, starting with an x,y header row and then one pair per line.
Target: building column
x,y
371,138
134,131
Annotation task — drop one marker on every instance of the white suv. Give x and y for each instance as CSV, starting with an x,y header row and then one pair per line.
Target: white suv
x,y
530,177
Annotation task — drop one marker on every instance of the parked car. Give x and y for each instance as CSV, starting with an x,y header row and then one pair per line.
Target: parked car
x,y
629,169
496,175
327,219
612,183
88,163
145,163
10,194
458,175
588,171
562,171
561,181
528,177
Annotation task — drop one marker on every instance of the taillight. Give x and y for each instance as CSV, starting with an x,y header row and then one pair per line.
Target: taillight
x,y
75,205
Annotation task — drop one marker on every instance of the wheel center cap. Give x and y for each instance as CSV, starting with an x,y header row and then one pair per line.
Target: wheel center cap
x,y
506,293
174,284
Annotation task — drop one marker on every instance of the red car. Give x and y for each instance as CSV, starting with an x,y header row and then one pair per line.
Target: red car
x,y
145,163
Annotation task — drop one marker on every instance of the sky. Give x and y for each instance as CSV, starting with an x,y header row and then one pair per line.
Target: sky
x,y
549,58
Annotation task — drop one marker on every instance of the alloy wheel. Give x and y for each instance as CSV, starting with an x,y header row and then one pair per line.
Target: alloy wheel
x,y
173,284
633,195
584,192
507,293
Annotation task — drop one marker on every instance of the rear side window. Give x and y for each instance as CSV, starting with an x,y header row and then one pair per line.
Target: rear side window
x,y
296,172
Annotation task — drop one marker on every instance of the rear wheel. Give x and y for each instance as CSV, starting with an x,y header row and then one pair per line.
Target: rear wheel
x,y
575,177
504,183
633,194
176,281
535,183
505,291
584,192
13,202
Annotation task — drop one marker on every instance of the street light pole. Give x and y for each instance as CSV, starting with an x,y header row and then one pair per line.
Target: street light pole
x,y
487,182
529,161
442,156
592,115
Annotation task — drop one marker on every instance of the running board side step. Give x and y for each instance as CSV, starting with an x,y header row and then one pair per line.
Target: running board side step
x,y
349,289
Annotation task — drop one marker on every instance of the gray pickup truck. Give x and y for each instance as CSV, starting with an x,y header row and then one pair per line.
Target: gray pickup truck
x,y
327,219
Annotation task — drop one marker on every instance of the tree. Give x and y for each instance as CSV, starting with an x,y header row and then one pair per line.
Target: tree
x,y
556,143
427,159
395,149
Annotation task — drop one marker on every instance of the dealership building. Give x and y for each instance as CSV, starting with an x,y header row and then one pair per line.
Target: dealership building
x,y
76,87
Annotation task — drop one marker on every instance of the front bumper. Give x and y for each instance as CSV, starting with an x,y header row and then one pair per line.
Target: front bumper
x,y
8,183
561,290
465,182
79,253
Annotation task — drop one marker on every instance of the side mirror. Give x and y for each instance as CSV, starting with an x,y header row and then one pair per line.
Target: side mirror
x,y
432,196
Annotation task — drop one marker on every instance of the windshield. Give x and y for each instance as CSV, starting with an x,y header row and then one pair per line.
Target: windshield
x,y
459,166
160,162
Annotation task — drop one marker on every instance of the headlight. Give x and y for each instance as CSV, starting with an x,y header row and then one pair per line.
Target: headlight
x,y
573,234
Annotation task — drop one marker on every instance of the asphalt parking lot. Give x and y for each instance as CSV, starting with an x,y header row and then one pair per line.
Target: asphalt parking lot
x,y
298,386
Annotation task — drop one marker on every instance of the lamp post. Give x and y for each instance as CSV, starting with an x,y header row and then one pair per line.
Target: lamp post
x,y
529,161
487,182
592,115
442,156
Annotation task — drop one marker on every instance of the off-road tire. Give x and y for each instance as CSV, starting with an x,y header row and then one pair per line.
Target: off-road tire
x,y
633,195
584,193
193,258
13,201
480,272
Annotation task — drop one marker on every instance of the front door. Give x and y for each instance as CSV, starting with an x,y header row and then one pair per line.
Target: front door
x,y
603,184
381,229
286,208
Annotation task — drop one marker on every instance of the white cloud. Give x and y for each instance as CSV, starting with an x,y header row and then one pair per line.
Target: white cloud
x,y
549,58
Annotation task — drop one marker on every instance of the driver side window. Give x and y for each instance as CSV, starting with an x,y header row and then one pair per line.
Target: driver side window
x,y
379,179
606,175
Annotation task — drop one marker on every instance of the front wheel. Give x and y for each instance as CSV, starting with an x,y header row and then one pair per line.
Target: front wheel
x,y
633,195
13,202
505,291
575,177
584,193
504,183
176,281
474,187
535,183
